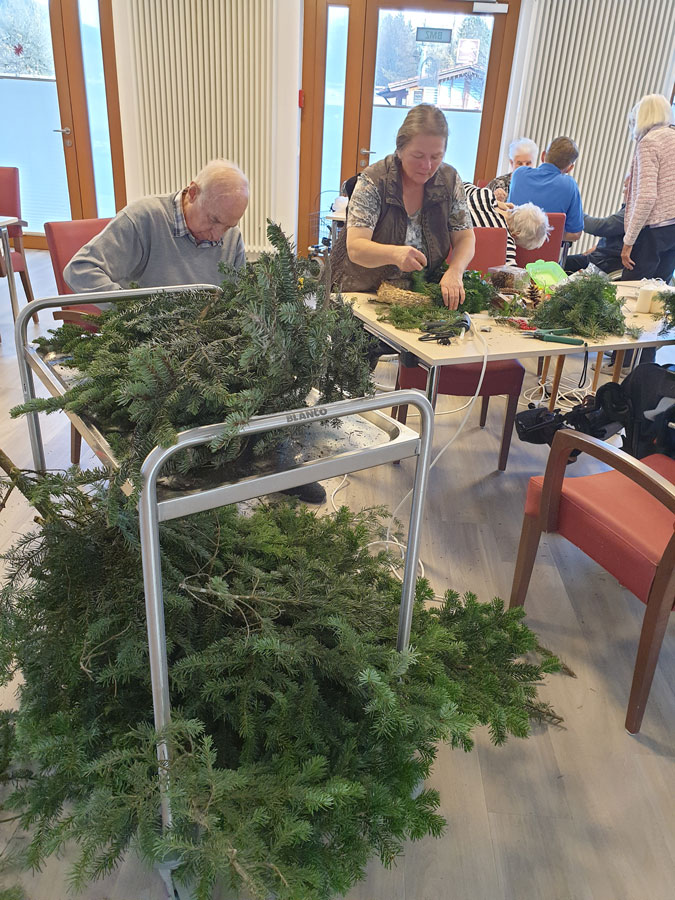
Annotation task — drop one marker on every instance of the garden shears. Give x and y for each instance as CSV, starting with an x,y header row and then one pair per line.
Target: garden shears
x,y
555,336
443,330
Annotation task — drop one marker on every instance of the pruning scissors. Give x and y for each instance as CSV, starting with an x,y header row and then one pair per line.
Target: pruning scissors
x,y
443,330
555,336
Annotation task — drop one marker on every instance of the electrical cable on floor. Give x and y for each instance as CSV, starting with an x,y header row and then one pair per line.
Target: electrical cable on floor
x,y
343,484
570,393
468,406
393,540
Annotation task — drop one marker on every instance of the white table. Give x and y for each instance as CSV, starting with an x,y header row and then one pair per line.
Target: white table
x,y
505,342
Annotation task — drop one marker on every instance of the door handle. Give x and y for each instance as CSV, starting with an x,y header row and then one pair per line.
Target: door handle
x,y
62,130
369,152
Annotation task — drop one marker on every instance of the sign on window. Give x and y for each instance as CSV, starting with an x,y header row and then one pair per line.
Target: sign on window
x,y
436,35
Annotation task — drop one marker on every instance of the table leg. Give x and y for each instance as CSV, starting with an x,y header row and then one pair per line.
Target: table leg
x,y
596,375
432,384
13,296
546,362
618,364
559,363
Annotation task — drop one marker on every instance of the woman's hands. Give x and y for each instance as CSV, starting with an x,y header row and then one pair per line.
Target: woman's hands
x,y
408,259
452,288
500,194
626,260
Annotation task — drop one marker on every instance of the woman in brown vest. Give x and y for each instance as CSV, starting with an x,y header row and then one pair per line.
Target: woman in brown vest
x,y
407,211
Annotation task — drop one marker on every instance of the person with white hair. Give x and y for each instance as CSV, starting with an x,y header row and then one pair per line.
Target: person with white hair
x,y
526,225
650,194
522,152
551,186
170,239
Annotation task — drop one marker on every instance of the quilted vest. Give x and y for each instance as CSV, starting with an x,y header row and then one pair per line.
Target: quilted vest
x,y
393,222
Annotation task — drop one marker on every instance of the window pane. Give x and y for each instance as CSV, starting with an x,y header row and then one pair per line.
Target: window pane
x,y
438,58
333,116
97,106
28,139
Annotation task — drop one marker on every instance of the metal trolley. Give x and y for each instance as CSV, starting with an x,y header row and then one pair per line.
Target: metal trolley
x,y
31,362
400,442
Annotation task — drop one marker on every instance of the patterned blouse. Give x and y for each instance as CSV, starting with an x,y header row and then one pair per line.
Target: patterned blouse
x,y
364,212
501,181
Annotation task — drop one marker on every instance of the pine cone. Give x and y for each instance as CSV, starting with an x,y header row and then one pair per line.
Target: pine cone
x,y
532,295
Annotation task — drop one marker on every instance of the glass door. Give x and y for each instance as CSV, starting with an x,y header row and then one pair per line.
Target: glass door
x,y
397,53
423,56
32,139
44,95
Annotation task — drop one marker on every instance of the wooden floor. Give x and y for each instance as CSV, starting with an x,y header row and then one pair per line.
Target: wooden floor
x,y
580,812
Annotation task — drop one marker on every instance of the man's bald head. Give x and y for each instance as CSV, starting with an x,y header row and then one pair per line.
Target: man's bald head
x,y
220,176
215,200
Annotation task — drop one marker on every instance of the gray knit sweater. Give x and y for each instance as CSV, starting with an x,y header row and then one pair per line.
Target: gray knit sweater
x,y
140,245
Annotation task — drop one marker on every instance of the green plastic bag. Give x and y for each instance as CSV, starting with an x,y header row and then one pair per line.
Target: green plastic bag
x,y
545,273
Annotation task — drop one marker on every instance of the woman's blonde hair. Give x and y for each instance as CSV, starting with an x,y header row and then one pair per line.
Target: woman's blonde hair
x,y
652,110
422,119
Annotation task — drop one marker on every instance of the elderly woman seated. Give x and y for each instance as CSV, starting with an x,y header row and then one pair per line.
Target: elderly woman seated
x,y
522,152
527,225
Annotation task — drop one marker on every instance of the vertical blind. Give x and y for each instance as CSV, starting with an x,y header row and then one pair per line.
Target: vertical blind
x,y
203,76
589,62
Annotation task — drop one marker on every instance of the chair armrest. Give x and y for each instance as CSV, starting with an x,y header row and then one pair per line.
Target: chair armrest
x,y
76,316
566,440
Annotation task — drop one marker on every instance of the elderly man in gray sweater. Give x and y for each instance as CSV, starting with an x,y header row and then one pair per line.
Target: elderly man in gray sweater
x,y
174,239
170,239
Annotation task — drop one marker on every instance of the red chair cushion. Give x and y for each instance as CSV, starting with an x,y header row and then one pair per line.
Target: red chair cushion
x,y
550,249
614,521
503,376
18,262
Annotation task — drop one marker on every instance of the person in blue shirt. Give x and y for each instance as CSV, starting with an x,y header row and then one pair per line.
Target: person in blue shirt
x,y
551,186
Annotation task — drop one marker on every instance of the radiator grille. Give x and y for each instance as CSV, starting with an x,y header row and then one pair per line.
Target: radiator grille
x,y
200,74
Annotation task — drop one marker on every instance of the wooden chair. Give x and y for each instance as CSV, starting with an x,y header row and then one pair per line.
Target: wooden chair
x,y
623,519
490,249
10,205
504,376
64,239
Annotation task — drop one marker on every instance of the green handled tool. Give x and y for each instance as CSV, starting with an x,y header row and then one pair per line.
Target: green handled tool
x,y
555,336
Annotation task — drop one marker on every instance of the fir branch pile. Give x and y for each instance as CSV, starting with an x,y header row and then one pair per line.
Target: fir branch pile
x,y
668,300
479,293
169,362
299,733
479,296
586,303
408,318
